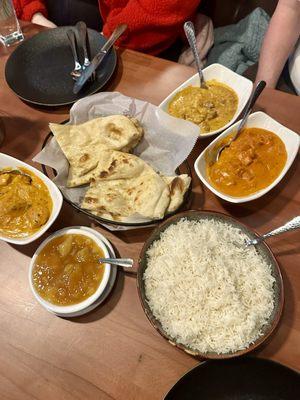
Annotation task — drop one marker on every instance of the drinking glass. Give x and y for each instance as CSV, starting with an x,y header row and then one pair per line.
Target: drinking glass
x,y
10,31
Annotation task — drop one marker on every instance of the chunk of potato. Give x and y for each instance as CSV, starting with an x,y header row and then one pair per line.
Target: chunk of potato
x,y
83,254
65,247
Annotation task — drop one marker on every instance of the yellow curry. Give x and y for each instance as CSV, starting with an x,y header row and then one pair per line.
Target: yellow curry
x,y
209,108
67,270
25,203
251,163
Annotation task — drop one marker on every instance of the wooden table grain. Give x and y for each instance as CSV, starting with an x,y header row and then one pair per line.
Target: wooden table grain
x,y
113,352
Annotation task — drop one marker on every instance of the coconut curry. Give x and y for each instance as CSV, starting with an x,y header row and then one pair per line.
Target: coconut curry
x,y
25,203
209,108
251,163
67,270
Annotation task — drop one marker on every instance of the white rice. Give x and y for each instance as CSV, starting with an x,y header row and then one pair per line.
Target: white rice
x,y
208,293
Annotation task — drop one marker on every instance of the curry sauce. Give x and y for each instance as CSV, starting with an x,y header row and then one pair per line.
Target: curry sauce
x,y
209,108
25,203
251,163
67,270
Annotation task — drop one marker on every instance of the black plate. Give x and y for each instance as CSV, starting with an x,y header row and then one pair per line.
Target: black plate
x,y
238,379
38,71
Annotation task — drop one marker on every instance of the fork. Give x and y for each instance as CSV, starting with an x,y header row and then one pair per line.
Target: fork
x,y
76,72
82,30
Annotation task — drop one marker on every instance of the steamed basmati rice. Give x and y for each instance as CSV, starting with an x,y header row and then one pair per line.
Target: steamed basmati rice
x,y
208,293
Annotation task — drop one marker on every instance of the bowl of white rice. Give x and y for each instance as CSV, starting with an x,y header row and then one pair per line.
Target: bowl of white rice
x,y
204,291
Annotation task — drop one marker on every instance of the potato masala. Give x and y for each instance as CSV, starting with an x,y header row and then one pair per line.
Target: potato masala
x,y
67,270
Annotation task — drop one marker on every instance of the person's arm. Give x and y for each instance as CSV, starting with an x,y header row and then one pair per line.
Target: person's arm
x,y
153,25
280,39
39,19
35,11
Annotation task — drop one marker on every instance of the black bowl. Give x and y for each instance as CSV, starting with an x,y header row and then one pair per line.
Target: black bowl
x,y
245,378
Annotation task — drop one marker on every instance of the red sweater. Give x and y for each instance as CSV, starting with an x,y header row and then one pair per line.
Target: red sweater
x,y
25,9
153,25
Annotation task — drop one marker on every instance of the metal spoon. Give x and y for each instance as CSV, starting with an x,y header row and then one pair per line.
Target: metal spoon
x,y
123,262
254,96
16,172
190,34
289,226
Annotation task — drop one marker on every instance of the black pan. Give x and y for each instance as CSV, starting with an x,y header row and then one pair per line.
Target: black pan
x,y
243,378
38,71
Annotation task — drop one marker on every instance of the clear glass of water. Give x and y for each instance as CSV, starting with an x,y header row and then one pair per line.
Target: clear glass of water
x,y
10,31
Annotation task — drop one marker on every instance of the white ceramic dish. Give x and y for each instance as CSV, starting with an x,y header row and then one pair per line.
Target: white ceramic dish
x,y
57,200
111,281
241,85
258,120
84,306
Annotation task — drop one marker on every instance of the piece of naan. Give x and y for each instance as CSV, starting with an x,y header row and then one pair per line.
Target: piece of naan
x,y
83,144
124,185
178,186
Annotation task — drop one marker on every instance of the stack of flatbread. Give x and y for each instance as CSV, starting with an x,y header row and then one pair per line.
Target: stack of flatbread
x,y
83,144
121,185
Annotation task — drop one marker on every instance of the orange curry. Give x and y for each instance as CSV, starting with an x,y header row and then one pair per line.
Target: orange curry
x,y
67,270
25,203
251,163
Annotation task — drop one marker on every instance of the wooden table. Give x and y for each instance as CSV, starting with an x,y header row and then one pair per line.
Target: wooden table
x,y
113,352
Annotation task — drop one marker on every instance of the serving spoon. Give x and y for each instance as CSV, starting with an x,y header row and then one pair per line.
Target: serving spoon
x,y
122,262
288,226
189,31
16,172
254,96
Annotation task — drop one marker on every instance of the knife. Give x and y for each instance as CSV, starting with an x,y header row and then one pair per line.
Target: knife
x,y
96,61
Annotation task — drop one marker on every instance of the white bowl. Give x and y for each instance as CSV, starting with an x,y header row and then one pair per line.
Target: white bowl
x,y
241,85
56,196
257,120
73,309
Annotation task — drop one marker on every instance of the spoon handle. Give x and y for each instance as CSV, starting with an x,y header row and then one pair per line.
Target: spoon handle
x,y
123,262
254,96
190,34
289,226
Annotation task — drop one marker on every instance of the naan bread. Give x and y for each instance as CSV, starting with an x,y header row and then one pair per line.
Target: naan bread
x,y
178,185
83,144
124,185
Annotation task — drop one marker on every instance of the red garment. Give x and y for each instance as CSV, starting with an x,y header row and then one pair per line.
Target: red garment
x,y
153,25
26,9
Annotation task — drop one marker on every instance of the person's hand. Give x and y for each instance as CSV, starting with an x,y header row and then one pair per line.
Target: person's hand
x,y
39,19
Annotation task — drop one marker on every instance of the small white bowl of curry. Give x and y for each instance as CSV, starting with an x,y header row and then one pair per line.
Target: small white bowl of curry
x,y
29,201
253,164
65,275
215,108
